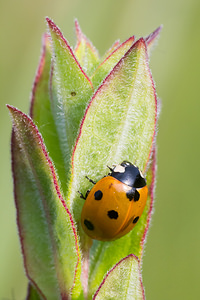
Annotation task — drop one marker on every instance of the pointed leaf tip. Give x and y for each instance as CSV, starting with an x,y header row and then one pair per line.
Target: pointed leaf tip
x,y
8,106
110,61
58,38
70,91
153,37
85,51
51,24
53,27
78,29
123,281
140,43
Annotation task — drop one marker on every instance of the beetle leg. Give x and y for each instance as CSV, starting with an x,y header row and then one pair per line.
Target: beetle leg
x,y
87,193
90,180
82,196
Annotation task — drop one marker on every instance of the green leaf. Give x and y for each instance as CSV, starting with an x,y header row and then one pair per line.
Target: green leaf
x,y
47,231
85,52
41,112
83,133
119,123
71,89
108,64
103,255
32,293
122,282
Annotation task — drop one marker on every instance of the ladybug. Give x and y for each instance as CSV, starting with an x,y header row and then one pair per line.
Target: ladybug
x,y
115,204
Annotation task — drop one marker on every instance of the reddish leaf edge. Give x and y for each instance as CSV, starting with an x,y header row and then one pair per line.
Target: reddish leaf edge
x,y
80,35
30,290
156,110
39,71
140,275
139,43
55,29
120,46
13,109
152,195
154,35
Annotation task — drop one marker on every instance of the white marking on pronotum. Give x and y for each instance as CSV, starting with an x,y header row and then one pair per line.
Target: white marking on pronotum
x,y
119,169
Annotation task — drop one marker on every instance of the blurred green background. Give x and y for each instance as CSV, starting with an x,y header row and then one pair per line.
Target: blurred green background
x,y
172,254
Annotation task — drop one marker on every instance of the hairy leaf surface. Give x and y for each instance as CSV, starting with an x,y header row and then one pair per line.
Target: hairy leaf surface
x,y
70,92
122,282
47,232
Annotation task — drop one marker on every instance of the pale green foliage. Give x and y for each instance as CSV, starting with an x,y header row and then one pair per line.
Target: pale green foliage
x,y
44,223
122,282
42,113
70,92
85,52
91,113
108,64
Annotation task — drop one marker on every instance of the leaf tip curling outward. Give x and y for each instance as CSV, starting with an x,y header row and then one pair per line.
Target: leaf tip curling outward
x,y
152,38
54,29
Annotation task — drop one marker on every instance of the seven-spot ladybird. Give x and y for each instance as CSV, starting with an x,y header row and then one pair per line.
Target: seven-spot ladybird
x,y
115,203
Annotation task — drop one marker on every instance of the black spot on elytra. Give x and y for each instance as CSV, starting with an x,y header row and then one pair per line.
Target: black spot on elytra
x,y
113,214
135,220
98,195
73,94
130,194
88,224
133,194
137,196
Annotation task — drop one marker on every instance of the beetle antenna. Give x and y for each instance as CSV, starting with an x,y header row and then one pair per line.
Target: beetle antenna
x,y
111,169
